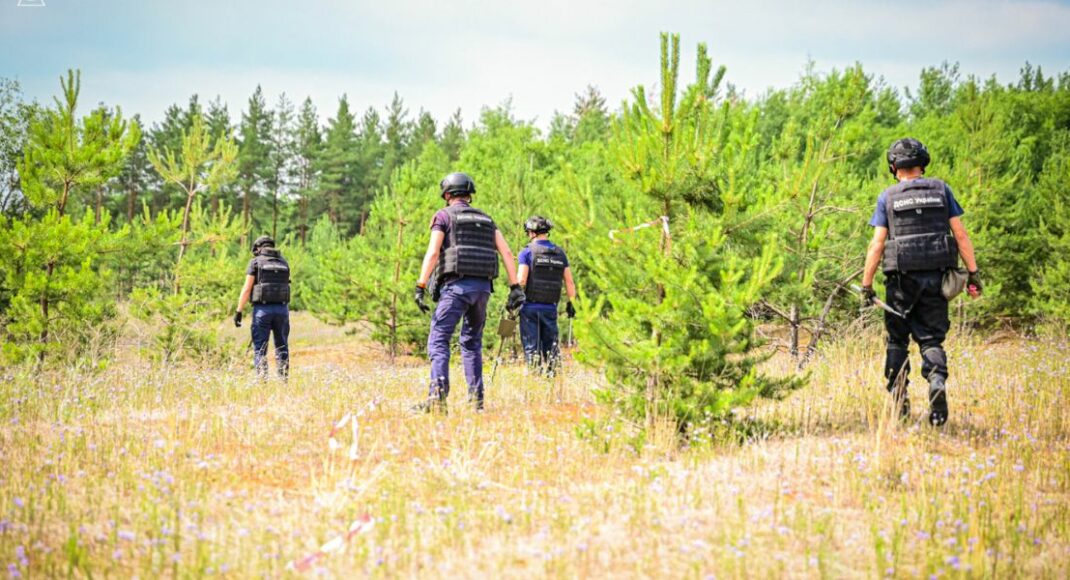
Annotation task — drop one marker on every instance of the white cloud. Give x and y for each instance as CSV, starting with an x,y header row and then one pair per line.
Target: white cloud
x,y
469,53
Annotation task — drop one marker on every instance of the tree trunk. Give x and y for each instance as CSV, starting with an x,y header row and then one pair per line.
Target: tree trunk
x,y
51,267
794,322
246,209
394,298
182,243
131,203
274,213
303,210
99,206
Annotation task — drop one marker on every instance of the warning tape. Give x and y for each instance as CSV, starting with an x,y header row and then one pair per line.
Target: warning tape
x,y
353,419
335,545
361,525
664,227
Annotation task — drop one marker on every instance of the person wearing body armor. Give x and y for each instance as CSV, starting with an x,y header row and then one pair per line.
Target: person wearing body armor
x,y
267,286
918,235
543,272
462,256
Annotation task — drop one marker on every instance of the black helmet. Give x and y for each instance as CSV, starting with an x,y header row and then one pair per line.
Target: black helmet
x,y
908,152
538,224
458,183
261,242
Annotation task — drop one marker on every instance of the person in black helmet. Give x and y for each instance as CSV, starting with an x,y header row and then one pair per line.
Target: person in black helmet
x,y
543,272
917,236
463,256
267,285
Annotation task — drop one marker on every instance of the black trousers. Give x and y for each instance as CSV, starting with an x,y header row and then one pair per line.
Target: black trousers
x,y
916,294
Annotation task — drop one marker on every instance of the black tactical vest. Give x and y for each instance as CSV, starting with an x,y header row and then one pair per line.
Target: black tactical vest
x,y
547,274
472,251
919,231
272,278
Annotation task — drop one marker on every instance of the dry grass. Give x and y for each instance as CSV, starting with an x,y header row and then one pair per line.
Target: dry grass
x,y
190,472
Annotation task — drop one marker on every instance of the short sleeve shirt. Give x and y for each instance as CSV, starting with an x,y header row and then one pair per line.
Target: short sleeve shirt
x,y
441,223
251,270
525,254
525,260
880,215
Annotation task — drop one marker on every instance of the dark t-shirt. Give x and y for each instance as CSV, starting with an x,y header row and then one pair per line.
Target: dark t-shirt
x,y
441,223
880,215
252,269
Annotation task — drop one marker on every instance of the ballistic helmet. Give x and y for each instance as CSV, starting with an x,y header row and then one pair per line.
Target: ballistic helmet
x,y
538,224
908,152
261,242
458,184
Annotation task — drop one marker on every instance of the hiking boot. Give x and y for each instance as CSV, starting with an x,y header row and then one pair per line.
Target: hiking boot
x,y
434,406
937,402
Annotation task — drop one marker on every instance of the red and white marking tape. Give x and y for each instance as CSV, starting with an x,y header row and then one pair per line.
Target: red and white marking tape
x,y
335,545
353,420
664,220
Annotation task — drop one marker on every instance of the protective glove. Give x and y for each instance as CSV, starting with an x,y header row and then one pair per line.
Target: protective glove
x,y
237,318
868,295
516,298
973,284
421,290
570,310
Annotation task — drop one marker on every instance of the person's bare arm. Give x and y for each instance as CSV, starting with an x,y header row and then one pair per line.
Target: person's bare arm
x,y
874,254
522,274
570,285
507,256
246,291
434,247
965,245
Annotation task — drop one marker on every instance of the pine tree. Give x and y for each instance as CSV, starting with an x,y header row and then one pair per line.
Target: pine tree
x,y
283,157
339,166
254,156
372,153
453,136
54,283
308,143
137,176
15,118
669,322
219,126
590,117
199,166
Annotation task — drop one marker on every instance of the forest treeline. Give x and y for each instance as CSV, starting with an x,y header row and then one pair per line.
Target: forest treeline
x,y
757,210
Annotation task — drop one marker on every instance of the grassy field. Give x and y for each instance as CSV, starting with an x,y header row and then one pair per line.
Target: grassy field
x,y
143,471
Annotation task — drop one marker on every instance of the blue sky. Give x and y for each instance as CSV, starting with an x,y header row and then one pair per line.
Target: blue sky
x,y
145,55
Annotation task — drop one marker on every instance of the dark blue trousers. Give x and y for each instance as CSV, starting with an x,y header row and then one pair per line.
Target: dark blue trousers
x,y
539,335
458,303
268,320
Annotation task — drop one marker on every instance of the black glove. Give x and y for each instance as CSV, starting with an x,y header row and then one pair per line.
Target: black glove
x,y
419,296
237,318
516,298
570,310
868,296
973,283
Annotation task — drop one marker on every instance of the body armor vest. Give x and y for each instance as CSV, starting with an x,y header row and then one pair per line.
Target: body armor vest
x,y
272,278
919,232
547,274
473,251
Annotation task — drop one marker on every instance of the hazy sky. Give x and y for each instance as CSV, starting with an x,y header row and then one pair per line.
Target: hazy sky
x,y
145,55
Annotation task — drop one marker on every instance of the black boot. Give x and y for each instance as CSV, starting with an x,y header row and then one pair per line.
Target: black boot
x,y
431,405
937,401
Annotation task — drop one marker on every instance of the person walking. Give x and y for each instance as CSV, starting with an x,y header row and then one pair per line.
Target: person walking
x,y
267,286
918,236
462,253
543,271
